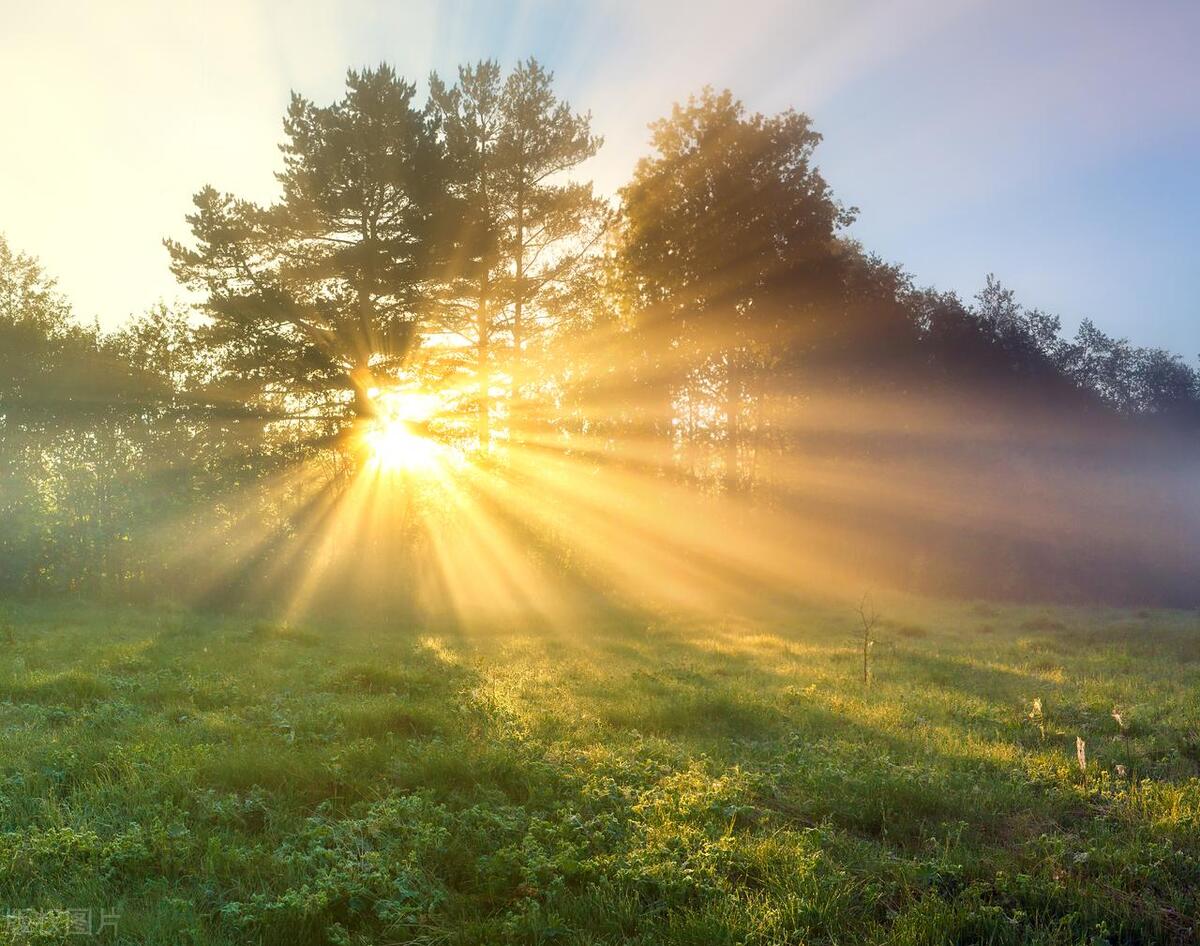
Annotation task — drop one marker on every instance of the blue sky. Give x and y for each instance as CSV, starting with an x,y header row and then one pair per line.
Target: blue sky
x,y
1056,144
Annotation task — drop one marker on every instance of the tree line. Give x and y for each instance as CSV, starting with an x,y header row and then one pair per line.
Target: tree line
x,y
712,329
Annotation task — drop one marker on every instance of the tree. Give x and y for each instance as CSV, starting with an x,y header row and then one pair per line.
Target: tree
x,y
511,143
728,240
75,415
1132,380
35,328
163,341
1167,386
315,299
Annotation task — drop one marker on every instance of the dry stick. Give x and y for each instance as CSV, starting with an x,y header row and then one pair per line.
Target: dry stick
x,y
869,618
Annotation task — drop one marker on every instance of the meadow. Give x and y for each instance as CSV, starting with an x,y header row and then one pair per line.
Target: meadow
x,y
169,777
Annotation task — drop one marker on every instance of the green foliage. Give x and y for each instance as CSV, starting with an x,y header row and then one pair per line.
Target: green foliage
x,y
316,296
219,780
525,227
717,335
728,252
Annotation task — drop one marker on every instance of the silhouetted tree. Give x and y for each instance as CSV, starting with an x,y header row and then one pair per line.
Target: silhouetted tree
x,y
511,142
729,246
317,296
726,348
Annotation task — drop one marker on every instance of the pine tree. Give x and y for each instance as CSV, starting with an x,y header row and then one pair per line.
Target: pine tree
x,y
316,298
512,143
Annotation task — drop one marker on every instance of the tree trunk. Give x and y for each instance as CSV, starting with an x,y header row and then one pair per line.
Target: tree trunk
x,y
733,410
483,424
516,401
360,379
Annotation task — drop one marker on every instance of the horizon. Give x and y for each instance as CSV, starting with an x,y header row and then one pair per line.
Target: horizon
x,y
1085,213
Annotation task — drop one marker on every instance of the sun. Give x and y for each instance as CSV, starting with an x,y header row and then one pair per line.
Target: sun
x,y
393,438
393,446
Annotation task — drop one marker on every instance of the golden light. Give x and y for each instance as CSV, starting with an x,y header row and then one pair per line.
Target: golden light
x,y
394,447
394,439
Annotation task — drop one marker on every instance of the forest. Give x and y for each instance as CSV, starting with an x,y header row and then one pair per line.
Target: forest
x,y
441,366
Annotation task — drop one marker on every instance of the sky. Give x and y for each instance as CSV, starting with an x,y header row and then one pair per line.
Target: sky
x,y
1055,144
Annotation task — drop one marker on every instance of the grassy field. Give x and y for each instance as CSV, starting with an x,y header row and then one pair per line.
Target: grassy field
x,y
198,779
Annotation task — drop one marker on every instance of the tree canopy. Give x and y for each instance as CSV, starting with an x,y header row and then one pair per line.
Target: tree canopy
x,y
319,295
705,376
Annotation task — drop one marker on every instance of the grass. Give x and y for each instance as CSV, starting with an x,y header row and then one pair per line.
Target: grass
x,y
214,780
